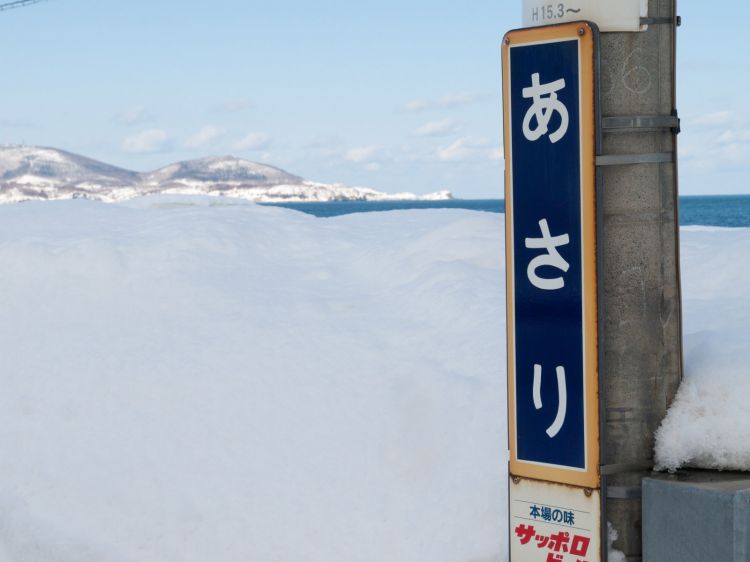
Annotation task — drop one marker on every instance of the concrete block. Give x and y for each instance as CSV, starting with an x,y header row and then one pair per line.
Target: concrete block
x,y
696,516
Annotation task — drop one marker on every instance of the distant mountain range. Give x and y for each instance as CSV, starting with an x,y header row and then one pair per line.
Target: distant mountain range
x,y
36,173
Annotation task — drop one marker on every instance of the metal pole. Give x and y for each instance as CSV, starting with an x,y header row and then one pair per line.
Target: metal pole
x,y
640,316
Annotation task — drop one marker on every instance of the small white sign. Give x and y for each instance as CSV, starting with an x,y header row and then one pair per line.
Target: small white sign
x,y
554,522
609,15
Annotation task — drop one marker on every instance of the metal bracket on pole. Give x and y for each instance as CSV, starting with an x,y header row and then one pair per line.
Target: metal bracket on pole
x,y
608,469
662,21
624,492
624,159
642,122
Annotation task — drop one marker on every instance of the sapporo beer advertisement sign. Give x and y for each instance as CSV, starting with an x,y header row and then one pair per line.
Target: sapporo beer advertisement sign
x,y
554,522
550,167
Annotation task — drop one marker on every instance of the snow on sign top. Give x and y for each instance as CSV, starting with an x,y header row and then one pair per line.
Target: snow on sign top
x,y
609,15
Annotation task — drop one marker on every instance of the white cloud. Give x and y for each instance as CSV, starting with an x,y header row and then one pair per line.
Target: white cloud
x,y
137,115
372,167
203,137
151,140
16,124
323,143
361,153
455,99
463,98
254,141
465,148
415,105
734,136
714,147
232,106
437,128
713,119
496,153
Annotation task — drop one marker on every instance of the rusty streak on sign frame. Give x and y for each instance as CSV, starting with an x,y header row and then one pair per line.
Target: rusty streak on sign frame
x,y
549,95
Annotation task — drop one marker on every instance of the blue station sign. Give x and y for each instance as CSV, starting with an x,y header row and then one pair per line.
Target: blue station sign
x,y
550,160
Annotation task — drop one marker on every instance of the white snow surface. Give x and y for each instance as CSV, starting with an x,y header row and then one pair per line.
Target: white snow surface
x,y
708,425
208,380
613,555
204,379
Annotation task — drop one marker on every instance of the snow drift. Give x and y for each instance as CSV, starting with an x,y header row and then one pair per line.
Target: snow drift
x,y
708,425
203,379
216,381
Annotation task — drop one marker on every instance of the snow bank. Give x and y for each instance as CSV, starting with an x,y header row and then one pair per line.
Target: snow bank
x,y
189,381
613,555
708,425
209,380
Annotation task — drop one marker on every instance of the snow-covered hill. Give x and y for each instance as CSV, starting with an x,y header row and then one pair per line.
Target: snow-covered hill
x,y
28,172
218,171
34,173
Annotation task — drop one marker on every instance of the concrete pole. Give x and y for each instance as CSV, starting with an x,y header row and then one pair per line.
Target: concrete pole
x,y
641,354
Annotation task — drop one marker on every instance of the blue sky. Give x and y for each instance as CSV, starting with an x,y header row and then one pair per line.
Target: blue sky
x,y
399,96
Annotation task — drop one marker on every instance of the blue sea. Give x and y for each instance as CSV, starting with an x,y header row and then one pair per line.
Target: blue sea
x,y
708,210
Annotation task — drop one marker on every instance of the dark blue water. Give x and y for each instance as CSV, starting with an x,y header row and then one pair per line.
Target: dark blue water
x,y
709,210
336,208
715,210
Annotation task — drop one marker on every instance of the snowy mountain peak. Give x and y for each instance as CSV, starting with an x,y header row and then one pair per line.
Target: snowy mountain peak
x,y
226,169
50,165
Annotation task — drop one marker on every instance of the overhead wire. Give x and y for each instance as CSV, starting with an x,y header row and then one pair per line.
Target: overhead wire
x,y
18,4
